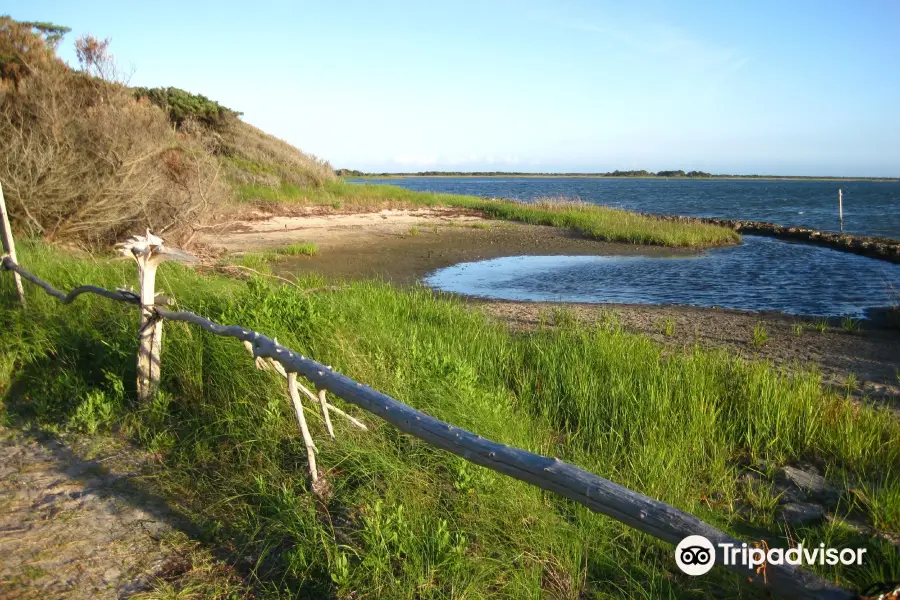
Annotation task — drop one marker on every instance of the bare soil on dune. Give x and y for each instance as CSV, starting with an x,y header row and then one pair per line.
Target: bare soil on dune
x,y
402,246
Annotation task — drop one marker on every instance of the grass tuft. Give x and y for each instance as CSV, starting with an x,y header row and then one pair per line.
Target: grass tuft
x,y
303,249
760,335
850,325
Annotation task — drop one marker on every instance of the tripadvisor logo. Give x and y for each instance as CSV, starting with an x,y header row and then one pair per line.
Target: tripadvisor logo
x,y
696,555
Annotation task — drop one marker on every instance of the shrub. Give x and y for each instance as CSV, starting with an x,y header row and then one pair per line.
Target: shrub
x,y
181,106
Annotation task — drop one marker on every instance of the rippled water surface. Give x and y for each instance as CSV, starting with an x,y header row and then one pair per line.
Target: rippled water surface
x,y
870,207
761,274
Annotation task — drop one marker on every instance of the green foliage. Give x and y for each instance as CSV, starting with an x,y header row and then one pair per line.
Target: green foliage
x,y
850,325
760,335
100,407
50,33
668,327
300,249
180,105
407,521
285,192
259,261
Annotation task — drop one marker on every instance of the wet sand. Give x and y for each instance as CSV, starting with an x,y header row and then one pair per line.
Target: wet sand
x,y
402,246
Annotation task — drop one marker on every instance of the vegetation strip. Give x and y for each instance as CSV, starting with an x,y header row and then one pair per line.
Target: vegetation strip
x,y
593,221
600,495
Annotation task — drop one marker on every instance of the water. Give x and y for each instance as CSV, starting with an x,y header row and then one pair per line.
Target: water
x,y
870,207
762,274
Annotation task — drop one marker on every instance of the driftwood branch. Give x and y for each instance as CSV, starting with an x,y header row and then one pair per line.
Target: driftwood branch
x,y
324,405
307,438
119,295
269,364
636,510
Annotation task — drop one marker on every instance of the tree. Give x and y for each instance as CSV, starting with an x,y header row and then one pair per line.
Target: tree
x,y
51,33
94,57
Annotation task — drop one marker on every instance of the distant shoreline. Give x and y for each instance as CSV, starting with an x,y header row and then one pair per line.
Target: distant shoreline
x,y
601,176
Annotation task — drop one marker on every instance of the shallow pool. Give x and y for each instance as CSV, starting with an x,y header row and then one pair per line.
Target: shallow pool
x,y
761,274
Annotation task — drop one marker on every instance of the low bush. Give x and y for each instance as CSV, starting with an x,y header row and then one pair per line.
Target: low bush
x,y
181,106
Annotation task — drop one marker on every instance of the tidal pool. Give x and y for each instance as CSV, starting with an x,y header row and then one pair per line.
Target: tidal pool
x,y
761,274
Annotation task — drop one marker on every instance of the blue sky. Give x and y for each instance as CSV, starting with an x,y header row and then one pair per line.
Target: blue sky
x,y
797,87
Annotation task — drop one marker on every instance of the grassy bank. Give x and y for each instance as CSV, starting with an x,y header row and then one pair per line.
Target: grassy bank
x,y
598,222
407,521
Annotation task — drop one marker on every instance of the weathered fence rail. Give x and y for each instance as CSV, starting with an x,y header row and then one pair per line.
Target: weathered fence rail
x,y
598,494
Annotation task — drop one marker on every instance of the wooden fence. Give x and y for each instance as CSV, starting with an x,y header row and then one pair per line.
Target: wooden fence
x,y
636,510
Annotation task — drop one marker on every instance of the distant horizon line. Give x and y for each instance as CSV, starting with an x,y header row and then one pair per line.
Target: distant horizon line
x,y
631,174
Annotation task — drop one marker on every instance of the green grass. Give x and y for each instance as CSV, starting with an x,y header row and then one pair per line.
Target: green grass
x,y
285,192
850,325
668,327
405,520
260,261
303,249
760,335
599,222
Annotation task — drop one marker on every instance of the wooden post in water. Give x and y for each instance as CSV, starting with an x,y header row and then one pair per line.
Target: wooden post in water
x,y
841,207
9,245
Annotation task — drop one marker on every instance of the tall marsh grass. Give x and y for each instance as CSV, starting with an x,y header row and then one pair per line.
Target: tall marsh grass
x,y
407,521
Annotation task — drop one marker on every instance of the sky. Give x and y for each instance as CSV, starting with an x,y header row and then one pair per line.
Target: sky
x,y
805,87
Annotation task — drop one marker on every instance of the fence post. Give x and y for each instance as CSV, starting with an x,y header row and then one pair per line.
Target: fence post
x,y
9,245
149,252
